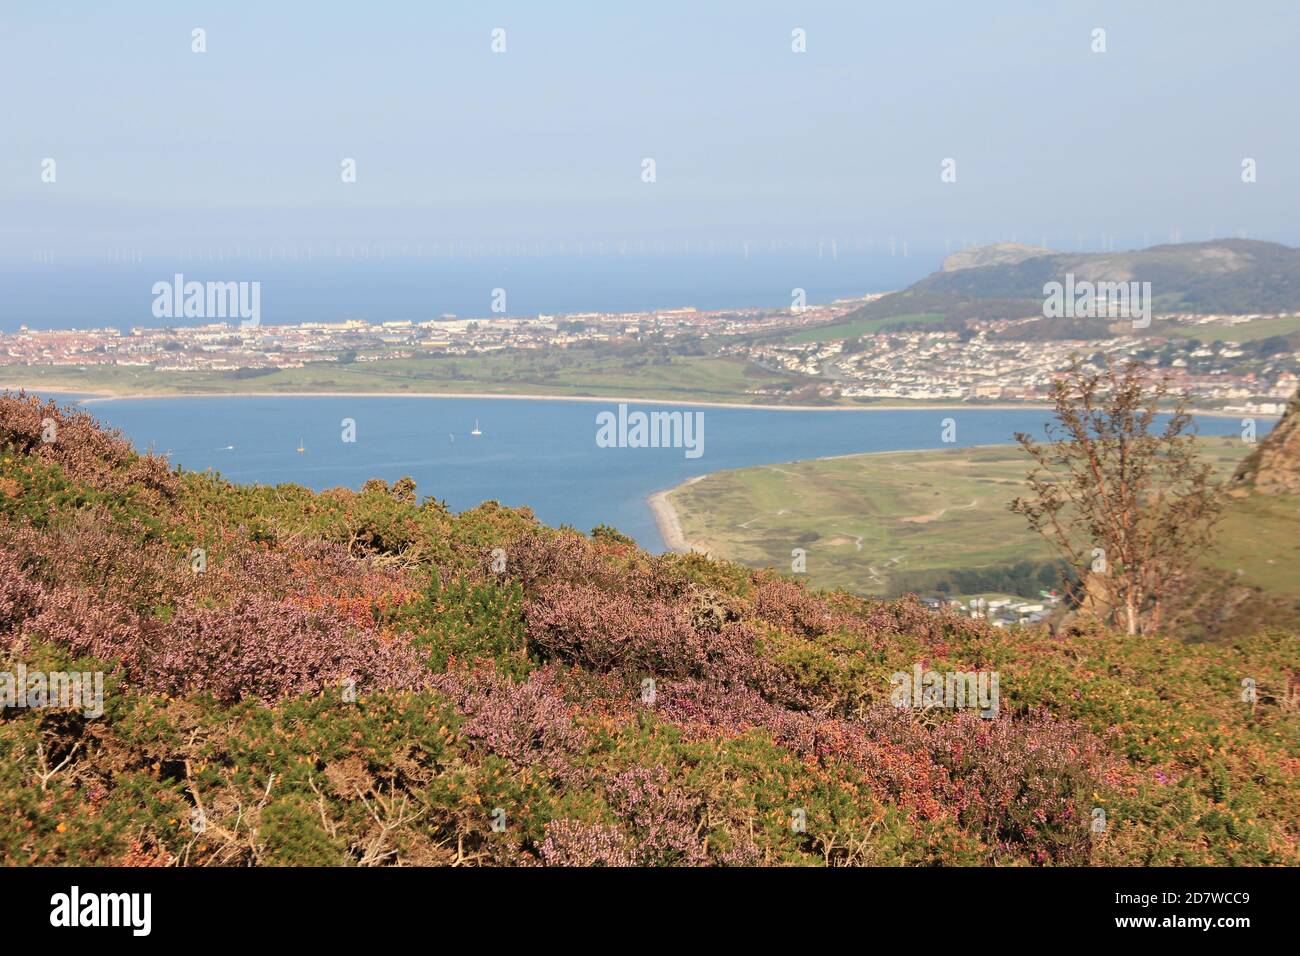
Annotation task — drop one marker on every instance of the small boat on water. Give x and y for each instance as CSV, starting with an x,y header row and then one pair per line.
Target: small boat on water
x,y
477,430
301,447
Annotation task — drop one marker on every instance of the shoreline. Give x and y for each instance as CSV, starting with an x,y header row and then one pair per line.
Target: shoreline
x,y
668,521
107,395
666,517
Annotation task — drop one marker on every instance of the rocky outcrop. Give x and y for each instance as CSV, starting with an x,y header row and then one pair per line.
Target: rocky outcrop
x,y
998,254
1274,467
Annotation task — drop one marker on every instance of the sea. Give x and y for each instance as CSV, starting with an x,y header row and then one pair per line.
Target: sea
x,y
381,282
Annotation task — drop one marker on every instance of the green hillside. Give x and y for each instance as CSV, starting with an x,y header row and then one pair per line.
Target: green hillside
x,y
1228,276
886,524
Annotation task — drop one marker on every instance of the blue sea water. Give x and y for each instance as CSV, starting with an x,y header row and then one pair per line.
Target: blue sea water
x,y
532,452
84,293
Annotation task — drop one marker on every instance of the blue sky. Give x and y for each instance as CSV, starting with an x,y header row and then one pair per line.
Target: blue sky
x,y
155,143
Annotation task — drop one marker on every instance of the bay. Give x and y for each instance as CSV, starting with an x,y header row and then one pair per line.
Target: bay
x,y
538,453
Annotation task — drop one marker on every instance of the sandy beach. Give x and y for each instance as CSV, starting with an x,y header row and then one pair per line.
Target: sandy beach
x,y
666,519
107,395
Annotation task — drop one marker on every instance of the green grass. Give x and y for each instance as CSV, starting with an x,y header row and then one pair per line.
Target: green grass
x,y
851,330
1259,543
688,378
1249,332
863,520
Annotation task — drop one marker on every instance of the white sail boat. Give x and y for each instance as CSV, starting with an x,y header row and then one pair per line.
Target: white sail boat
x,y
477,430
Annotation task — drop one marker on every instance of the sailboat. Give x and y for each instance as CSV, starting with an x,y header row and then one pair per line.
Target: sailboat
x,y
301,447
477,430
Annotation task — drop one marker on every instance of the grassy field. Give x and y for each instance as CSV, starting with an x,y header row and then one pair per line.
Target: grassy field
x,y
1249,332
688,378
851,330
867,522
1259,543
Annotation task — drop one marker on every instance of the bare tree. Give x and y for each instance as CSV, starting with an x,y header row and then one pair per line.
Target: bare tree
x,y
1129,508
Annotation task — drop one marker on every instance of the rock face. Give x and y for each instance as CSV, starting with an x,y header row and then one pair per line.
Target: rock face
x,y
1274,467
998,254
1237,276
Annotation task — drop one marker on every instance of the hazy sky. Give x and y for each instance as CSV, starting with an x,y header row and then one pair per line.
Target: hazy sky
x,y
155,143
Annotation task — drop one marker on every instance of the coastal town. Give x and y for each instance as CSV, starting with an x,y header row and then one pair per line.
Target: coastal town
x,y
227,346
1001,610
808,351
985,363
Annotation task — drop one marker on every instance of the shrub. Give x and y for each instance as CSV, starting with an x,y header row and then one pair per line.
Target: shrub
x,y
571,843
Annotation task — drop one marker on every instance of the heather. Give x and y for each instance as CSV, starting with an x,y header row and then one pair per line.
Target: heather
x,y
365,678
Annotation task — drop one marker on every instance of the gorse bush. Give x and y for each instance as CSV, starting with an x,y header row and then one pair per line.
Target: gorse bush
x,y
465,621
364,678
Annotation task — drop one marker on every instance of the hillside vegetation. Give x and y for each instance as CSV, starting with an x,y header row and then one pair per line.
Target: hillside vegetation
x,y
363,678
1224,276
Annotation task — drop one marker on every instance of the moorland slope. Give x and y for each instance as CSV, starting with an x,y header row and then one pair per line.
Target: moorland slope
x,y
364,678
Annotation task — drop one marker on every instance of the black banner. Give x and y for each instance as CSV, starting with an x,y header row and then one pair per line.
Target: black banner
x,y
144,906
